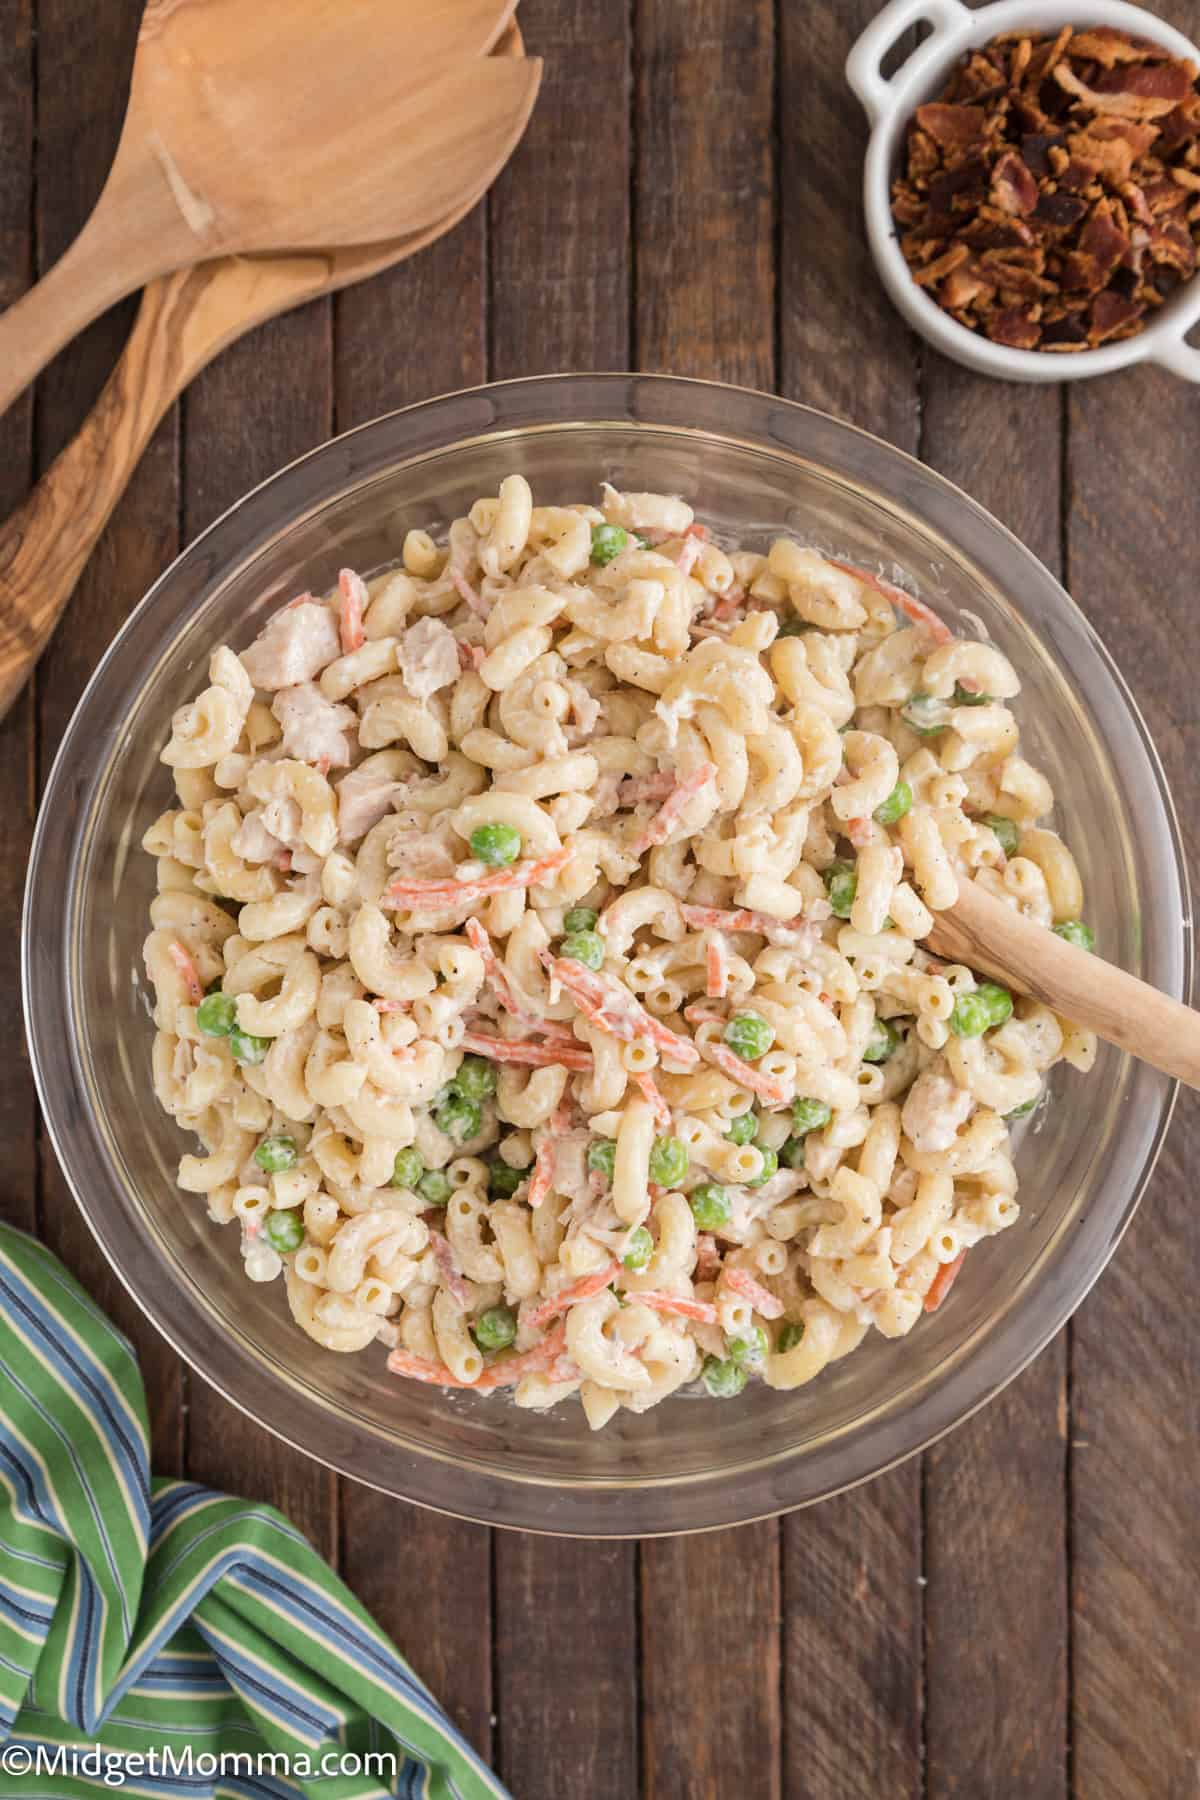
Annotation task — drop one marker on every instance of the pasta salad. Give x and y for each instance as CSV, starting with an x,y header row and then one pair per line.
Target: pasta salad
x,y
538,955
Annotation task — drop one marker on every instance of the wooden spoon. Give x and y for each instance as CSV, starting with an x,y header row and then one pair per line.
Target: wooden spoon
x,y
184,321
280,125
984,933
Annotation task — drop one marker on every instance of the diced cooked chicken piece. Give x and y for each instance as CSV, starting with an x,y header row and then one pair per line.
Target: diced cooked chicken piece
x,y
314,728
428,658
294,646
421,854
585,711
253,842
365,796
935,1108
570,1165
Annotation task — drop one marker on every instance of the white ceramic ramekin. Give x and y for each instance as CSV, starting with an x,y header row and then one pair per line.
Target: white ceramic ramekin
x,y
890,101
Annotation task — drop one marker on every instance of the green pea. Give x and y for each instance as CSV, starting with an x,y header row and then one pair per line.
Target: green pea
x,y
743,1130
639,1248
791,1154
896,805
770,1167
749,1036
503,1181
668,1162
284,1230
882,1043
496,845
476,1078
921,712
275,1154
586,947
1005,830
1074,931
1023,1111
974,1013
407,1169
791,1335
434,1187
216,1015
841,884
580,918
246,1047
495,1329
968,697
710,1206
809,1115
722,1379
608,541
459,1118
749,1351
602,1156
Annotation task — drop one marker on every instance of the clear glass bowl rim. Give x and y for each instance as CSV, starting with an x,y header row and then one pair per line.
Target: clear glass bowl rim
x,y
738,415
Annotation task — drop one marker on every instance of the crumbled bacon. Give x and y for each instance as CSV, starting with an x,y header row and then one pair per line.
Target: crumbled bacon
x,y
1047,198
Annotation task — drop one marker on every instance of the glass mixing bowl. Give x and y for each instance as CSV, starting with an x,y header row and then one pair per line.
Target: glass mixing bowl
x,y
754,465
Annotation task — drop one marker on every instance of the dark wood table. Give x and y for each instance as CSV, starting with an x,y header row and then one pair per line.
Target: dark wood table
x,y
1016,1613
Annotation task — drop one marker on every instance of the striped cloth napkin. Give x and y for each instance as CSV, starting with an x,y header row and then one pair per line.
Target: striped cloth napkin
x,y
143,1617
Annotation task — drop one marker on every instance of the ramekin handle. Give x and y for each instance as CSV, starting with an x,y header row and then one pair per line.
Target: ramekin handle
x,y
1182,358
948,19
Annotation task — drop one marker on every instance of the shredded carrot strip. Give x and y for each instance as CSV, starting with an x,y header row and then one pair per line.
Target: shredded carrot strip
x,y
696,530
672,1303
502,1373
716,967
470,655
465,893
583,1289
542,1179
354,602
472,596
668,815
912,608
942,1282
776,931
744,1073
699,1012
761,1299
554,1053
391,1006
420,1368
610,1005
649,1089
500,978
861,832
689,550
188,972
727,606
708,1257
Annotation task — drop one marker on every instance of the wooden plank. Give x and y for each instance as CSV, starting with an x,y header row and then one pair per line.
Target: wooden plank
x,y
997,1573
852,1568
705,305
434,1596
566,1667
565,1619
1134,441
85,54
266,400
18,1128
711,1623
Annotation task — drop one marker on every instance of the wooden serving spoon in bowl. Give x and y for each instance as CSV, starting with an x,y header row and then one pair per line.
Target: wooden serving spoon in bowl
x,y
984,933
184,321
276,126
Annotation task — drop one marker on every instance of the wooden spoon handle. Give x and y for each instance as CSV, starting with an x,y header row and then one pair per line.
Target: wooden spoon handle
x,y
85,282
45,543
984,933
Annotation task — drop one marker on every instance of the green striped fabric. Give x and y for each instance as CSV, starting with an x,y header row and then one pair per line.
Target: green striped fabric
x,y
157,1636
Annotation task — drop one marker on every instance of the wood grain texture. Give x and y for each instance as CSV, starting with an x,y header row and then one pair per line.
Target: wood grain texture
x,y
425,1578
711,1616
995,1490
852,1568
566,1667
78,118
1135,1427
18,1128
705,305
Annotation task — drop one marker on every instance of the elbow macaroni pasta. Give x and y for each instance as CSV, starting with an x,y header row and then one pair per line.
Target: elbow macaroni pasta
x,y
538,957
